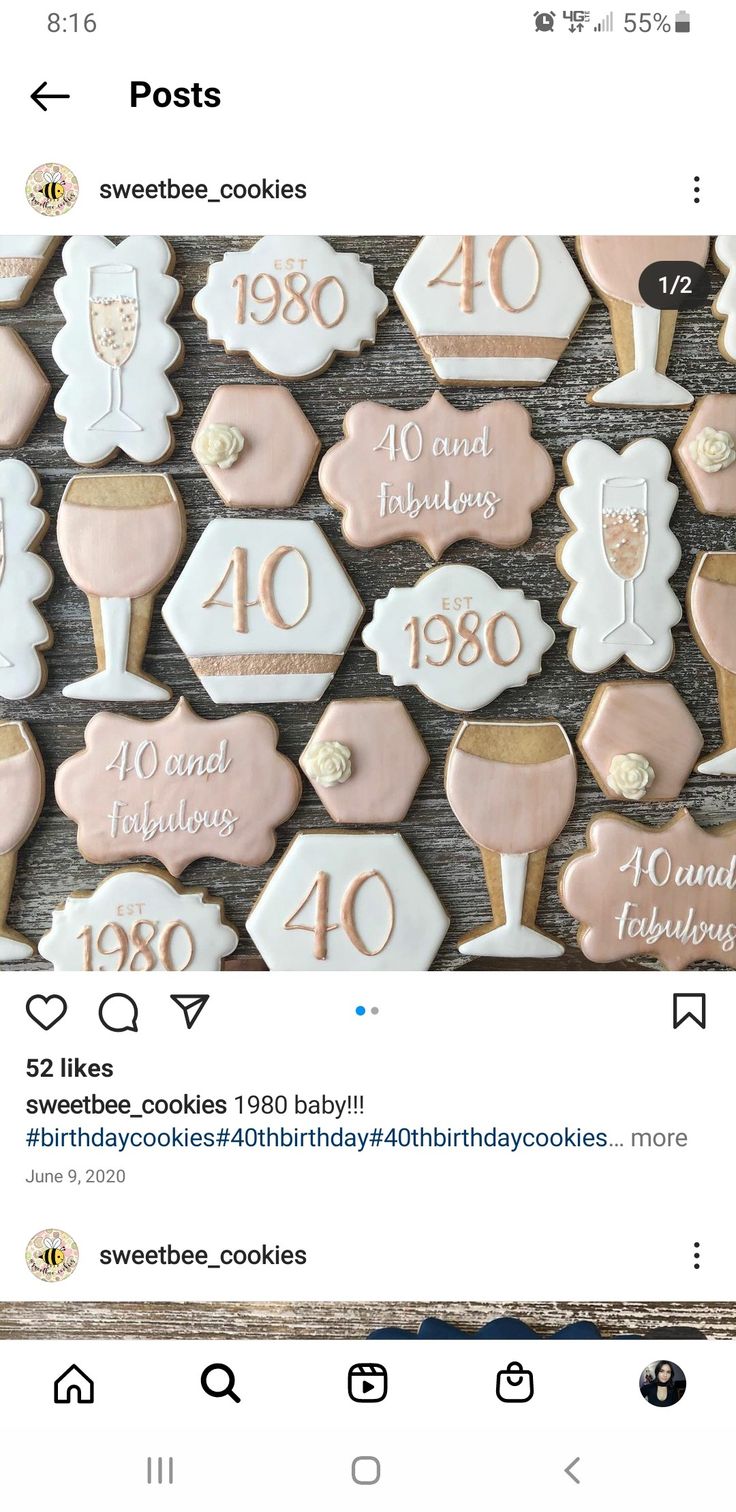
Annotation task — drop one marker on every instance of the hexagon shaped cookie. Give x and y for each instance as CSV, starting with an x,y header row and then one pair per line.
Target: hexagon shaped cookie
x,y
492,309
639,740
365,760
24,389
705,452
342,902
256,446
264,610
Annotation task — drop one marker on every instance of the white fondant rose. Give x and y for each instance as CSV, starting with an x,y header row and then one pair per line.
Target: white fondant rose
x,y
630,775
220,445
328,762
713,450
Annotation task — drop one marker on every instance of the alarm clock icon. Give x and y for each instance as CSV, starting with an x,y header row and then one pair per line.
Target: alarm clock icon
x,y
544,21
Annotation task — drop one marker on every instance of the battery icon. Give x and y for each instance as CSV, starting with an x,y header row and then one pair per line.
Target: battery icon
x,y
682,21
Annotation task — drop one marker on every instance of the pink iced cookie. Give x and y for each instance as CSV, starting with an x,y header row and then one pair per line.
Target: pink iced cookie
x,y
256,446
178,788
706,454
365,760
24,389
639,740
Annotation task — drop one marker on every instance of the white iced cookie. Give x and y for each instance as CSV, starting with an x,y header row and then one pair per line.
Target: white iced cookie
x,y
219,445
22,788
630,775
138,920
327,762
712,450
292,302
725,303
117,347
25,581
22,261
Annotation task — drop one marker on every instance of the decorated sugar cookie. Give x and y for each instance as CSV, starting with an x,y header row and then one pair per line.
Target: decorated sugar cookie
x,y
117,347
256,446
340,902
492,309
119,535
458,637
619,556
25,581
178,788
264,611
711,609
22,787
138,920
725,303
642,336
512,787
706,454
437,474
639,740
292,303
667,891
365,760
22,261
24,389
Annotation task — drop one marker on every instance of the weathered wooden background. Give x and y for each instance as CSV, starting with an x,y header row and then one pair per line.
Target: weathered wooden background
x,y
395,372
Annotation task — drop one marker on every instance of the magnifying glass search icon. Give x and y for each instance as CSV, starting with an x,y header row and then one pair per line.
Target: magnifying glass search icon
x,y
223,1384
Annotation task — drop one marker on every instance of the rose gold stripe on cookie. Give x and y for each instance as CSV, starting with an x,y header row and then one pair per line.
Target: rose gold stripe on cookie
x,y
18,267
266,664
493,346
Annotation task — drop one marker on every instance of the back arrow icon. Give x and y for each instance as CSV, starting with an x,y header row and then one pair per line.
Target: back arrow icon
x,y
38,96
569,1469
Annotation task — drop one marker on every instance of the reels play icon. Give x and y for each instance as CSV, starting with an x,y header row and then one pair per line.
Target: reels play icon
x,y
367,1383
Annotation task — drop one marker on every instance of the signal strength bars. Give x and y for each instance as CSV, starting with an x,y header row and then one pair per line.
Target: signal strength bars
x,y
606,25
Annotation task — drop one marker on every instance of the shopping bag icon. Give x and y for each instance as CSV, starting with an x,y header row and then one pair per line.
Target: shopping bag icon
x,y
514,1384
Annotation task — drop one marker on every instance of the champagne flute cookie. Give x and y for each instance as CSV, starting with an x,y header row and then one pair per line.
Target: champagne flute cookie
x,y
25,581
642,335
22,788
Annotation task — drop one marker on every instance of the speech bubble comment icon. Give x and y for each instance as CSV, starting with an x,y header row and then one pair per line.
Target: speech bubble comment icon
x,y
119,1013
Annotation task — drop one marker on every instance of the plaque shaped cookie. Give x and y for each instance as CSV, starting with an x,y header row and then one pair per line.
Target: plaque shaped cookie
x,y
24,389
724,306
711,609
705,452
639,740
365,760
458,637
292,303
642,336
264,611
437,474
256,446
667,891
512,787
120,535
22,261
178,788
22,788
341,902
620,555
117,347
492,309
138,920
25,581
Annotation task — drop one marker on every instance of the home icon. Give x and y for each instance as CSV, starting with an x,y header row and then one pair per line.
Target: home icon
x,y
74,1386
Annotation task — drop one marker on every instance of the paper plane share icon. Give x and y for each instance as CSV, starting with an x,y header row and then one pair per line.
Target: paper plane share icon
x,y
191,1005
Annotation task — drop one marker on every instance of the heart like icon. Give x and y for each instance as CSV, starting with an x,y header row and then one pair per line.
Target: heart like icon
x,y
46,1011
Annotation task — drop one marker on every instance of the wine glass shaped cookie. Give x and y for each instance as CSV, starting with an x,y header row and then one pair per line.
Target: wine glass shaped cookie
x,y
22,786
642,335
117,347
292,303
724,306
139,920
711,607
512,787
25,580
492,309
458,637
178,788
437,474
264,611
22,261
120,534
619,556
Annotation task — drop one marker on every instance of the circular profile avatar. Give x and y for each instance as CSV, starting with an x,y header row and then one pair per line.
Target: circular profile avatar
x,y
52,1255
662,1383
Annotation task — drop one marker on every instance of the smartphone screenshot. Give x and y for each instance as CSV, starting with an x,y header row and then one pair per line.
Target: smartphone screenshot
x,y
367,757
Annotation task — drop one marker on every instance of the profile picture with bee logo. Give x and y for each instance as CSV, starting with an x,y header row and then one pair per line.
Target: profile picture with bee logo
x,y
52,189
52,1255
